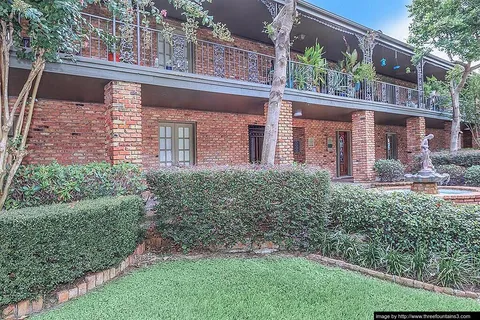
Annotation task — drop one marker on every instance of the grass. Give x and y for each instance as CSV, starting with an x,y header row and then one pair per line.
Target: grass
x,y
267,288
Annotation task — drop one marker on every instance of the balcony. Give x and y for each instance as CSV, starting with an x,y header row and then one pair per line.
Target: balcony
x,y
149,49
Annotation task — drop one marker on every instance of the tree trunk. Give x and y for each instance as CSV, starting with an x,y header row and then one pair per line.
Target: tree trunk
x,y
281,28
454,145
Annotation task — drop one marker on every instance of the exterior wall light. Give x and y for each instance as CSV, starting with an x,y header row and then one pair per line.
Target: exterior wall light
x,y
298,113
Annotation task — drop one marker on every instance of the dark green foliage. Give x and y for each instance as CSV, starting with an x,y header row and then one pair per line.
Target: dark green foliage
x,y
396,263
419,264
455,270
389,170
464,158
36,185
372,256
406,221
472,176
457,173
43,247
199,207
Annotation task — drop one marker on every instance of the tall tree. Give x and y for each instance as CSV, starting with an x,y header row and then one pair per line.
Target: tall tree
x,y
54,29
452,27
279,32
470,106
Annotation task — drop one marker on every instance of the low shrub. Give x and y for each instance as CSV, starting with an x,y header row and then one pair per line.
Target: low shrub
x,y
200,207
457,174
36,185
472,176
405,221
389,170
45,246
464,158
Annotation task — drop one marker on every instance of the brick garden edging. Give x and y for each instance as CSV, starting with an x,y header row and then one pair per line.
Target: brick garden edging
x,y
396,279
81,286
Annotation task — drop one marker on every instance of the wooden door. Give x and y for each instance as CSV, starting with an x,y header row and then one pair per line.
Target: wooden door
x,y
343,153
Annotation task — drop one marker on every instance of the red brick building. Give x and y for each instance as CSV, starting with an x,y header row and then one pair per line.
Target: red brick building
x,y
204,103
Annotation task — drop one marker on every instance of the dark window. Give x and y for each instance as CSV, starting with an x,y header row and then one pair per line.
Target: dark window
x,y
391,146
255,137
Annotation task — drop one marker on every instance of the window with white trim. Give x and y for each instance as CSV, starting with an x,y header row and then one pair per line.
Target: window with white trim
x,y
177,144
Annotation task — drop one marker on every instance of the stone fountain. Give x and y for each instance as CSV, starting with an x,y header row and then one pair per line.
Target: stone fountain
x,y
427,179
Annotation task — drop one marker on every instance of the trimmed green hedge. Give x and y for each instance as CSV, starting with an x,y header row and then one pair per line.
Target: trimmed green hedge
x,y
406,221
36,185
199,207
472,176
43,247
389,170
464,158
457,174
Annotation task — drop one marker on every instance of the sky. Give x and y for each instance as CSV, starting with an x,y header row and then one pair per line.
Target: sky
x,y
390,16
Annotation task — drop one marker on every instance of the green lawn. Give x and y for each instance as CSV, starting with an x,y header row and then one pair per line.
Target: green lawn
x,y
268,288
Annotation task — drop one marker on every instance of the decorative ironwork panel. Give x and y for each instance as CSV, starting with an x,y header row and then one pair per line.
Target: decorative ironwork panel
x,y
253,67
350,86
368,90
421,96
180,54
330,80
397,95
271,7
367,44
384,92
409,97
219,61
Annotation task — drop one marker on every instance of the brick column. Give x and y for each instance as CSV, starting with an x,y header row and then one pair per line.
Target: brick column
x,y
415,135
447,133
363,146
123,121
284,151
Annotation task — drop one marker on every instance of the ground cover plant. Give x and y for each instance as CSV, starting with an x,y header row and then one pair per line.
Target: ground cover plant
x,y
269,288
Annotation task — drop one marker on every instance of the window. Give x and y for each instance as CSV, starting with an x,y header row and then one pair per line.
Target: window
x,y
176,55
255,137
391,146
176,144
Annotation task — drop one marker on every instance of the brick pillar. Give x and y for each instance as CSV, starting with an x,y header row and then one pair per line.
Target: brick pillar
x,y
415,135
363,145
284,151
123,121
447,131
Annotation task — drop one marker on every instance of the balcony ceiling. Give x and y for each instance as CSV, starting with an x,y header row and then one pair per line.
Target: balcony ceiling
x,y
246,19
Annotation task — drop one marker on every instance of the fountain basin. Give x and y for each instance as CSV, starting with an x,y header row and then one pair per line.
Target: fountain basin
x,y
456,194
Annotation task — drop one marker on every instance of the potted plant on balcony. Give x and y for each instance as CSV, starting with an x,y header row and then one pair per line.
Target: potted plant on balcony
x,y
310,74
359,71
113,45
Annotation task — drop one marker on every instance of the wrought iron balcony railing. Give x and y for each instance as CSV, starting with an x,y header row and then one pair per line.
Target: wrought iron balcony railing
x,y
147,47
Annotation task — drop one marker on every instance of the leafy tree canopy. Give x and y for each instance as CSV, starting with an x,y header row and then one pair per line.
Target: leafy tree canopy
x,y
451,26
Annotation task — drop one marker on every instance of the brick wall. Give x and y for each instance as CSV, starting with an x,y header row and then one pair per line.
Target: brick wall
x,y
67,132
70,132
123,122
299,137
319,131
381,141
438,143
221,138
415,135
363,145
